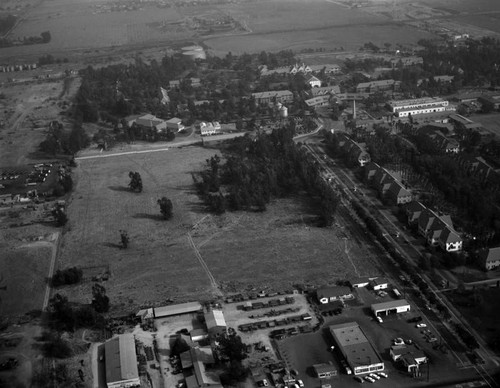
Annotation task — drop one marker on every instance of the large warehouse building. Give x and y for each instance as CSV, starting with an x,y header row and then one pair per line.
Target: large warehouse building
x,y
121,362
355,347
392,307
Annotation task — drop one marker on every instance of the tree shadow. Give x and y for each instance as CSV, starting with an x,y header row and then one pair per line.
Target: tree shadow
x,y
149,216
112,245
119,188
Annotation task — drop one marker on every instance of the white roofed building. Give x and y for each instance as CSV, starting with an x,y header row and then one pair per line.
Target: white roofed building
x,y
216,324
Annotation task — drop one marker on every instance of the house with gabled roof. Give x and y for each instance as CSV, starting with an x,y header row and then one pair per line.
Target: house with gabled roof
x,y
313,81
324,90
413,211
450,240
490,258
398,194
425,221
272,96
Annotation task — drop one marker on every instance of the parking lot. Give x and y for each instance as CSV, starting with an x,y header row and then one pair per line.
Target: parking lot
x,y
301,352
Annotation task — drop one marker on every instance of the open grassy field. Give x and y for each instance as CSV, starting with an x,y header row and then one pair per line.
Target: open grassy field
x,y
490,122
24,267
272,250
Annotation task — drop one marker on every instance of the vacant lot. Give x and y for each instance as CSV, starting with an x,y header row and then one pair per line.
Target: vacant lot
x,y
272,250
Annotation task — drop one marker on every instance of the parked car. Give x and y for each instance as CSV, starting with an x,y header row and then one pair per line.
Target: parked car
x,y
421,325
374,376
294,372
398,341
368,378
379,319
301,383
359,379
415,319
383,374
346,367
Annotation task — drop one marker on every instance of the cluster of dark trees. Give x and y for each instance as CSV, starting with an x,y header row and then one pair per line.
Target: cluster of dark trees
x,y
113,92
50,60
60,216
166,208
6,23
44,37
66,316
135,181
72,275
60,141
257,170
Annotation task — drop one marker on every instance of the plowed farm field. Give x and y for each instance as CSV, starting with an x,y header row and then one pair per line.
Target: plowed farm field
x,y
196,255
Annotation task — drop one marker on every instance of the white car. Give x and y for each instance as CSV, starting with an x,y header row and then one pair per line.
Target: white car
x,y
301,383
374,376
398,341
421,325
383,374
368,378
379,319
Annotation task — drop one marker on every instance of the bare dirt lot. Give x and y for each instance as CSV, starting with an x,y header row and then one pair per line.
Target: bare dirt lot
x,y
272,250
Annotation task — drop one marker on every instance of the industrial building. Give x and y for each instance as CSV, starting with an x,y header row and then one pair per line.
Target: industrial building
x,y
216,324
325,371
121,362
392,307
168,311
273,96
356,348
416,106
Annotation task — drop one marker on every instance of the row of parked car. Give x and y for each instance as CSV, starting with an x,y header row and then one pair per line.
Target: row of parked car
x,y
372,377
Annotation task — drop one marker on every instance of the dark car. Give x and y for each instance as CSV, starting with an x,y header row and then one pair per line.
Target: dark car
x,y
359,379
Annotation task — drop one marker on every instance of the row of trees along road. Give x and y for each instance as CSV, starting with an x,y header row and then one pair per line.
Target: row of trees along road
x,y
257,170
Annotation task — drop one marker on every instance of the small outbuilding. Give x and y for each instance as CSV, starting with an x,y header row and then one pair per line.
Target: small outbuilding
x,y
216,324
359,282
392,307
325,371
379,284
331,294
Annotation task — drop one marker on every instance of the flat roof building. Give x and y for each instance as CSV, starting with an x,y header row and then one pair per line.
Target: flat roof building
x,y
394,306
355,347
121,362
216,324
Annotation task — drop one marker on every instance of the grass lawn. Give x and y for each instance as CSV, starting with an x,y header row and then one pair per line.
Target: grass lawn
x,y
273,250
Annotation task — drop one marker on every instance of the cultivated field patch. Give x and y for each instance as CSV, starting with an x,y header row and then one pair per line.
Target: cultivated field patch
x,y
240,251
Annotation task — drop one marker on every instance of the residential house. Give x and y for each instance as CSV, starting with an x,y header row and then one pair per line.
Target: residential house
x,y
490,258
398,194
439,231
208,129
464,123
150,121
175,124
313,81
300,69
331,294
273,96
409,356
174,84
318,101
379,284
450,240
413,211
359,282
327,68
355,151
324,90
492,100
378,86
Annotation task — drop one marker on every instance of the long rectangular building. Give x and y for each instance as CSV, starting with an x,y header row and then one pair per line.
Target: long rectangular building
x,y
121,362
355,347
416,106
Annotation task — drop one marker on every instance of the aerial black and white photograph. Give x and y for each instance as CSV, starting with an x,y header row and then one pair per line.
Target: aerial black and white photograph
x,y
249,193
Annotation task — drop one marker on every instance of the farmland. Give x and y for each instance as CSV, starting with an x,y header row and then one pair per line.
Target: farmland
x,y
271,250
